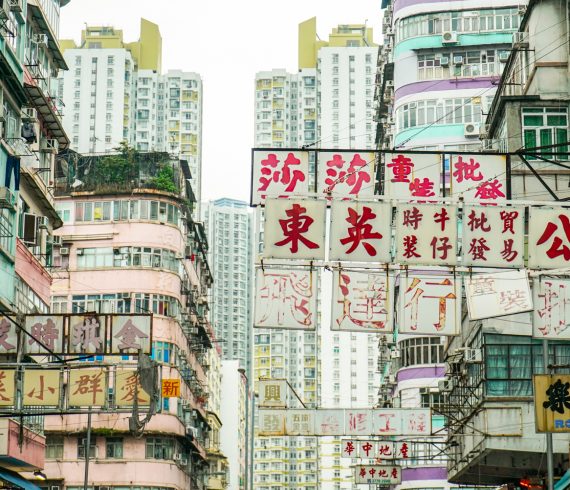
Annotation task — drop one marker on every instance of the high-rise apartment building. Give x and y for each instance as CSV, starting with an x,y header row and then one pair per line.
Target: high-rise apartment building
x,y
115,92
229,226
327,104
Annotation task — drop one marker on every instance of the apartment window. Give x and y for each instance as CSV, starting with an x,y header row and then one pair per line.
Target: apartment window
x,y
110,60
335,58
82,443
424,350
545,126
114,447
54,447
159,448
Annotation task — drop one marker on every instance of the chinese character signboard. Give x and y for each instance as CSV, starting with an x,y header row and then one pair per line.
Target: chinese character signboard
x,y
360,231
128,388
48,330
346,174
497,294
87,334
378,474
299,422
552,402
362,301
493,236
549,238
272,393
286,298
8,336
412,175
42,387
272,422
295,229
479,178
279,174
375,449
426,234
430,304
551,308
171,388
7,387
87,387
131,334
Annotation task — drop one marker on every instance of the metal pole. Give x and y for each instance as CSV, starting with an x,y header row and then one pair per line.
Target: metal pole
x,y
549,444
246,472
87,450
251,431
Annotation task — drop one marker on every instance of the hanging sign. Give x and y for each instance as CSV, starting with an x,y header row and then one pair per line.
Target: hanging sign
x,y
479,178
362,301
128,388
285,298
378,474
497,294
549,238
430,304
551,308
412,175
375,449
273,393
87,387
346,174
42,387
552,402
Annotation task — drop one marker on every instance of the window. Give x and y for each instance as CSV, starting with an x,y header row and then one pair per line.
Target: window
x,y
114,447
82,442
424,350
54,447
544,126
159,448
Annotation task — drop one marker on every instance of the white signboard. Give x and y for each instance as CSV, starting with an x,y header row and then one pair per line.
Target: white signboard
x,y
47,329
279,174
299,422
8,336
346,174
131,333
497,294
412,175
378,474
271,422
361,231
549,238
426,234
552,309
362,301
493,236
285,298
294,229
479,178
273,393
375,449
430,304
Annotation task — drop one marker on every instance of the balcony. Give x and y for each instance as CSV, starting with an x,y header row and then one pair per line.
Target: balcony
x,y
30,457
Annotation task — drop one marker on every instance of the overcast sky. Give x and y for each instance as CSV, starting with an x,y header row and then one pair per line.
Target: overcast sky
x,y
226,42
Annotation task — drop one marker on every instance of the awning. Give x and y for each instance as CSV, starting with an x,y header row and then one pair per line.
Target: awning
x,y
17,480
564,482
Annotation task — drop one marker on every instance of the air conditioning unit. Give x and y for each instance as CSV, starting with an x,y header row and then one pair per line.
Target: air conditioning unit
x,y
473,356
43,222
56,240
395,354
471,129
79,251
29,114
7,198
520,40
449,37
389,32
522,9
444,61
504,56
391,379
192,431
458,60
444,385
15,5
178,456
389,83
64,251
49,145
41,39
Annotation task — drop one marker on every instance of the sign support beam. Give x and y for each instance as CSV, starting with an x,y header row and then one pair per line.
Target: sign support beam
x,y
549,442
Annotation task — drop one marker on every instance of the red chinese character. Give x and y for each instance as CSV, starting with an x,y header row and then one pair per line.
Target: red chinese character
x,y
367,448
401,168
508,218
557,248
357,174
349,449
508,253
467,170
294,227
404,450
394,473
285,176
443,248
372,472
5,328
362,471
511,299
385,450
412,217
478,248
490,190
476,223
360,230
3,387
410,247
441,218
422,188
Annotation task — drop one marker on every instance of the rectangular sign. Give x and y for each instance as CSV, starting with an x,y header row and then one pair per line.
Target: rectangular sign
x,y
346,174
479,178
493,236
48,329
430,304
42,387
273,393
294,229
426,234
128,388
285,298
378,474
412,175
375,449
549,238
87,387
279,173
171,388
552,402
7,387
362,301
8,336
551,308
497,294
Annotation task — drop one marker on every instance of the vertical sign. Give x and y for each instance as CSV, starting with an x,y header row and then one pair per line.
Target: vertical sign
x,y
7,387
360,231
131,333
552,402
279,174
479,178
346,174
362,301
8,336
493,236
497,294
412,175
430,304
295,229
87,334
272,393
48,329
286,299
426,234
549,238
551,309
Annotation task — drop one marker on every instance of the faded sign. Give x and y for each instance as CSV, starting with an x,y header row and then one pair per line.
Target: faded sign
x,y
273,393
378,474
46,330
552,402
87,334
551,308
131,333
479,178
346,174
375,449
7,387
128,388
8,336
87,387
412,175
42,387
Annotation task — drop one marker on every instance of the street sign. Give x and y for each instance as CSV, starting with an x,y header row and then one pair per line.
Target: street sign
x,y
552,402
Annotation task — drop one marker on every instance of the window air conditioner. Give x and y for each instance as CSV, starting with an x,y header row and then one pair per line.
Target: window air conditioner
x,y
56,240
444,61
449,37
445,385
473,356
29,114
15,5
41,39
64,251
503,57
49,145
7,198
395,354
458,60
